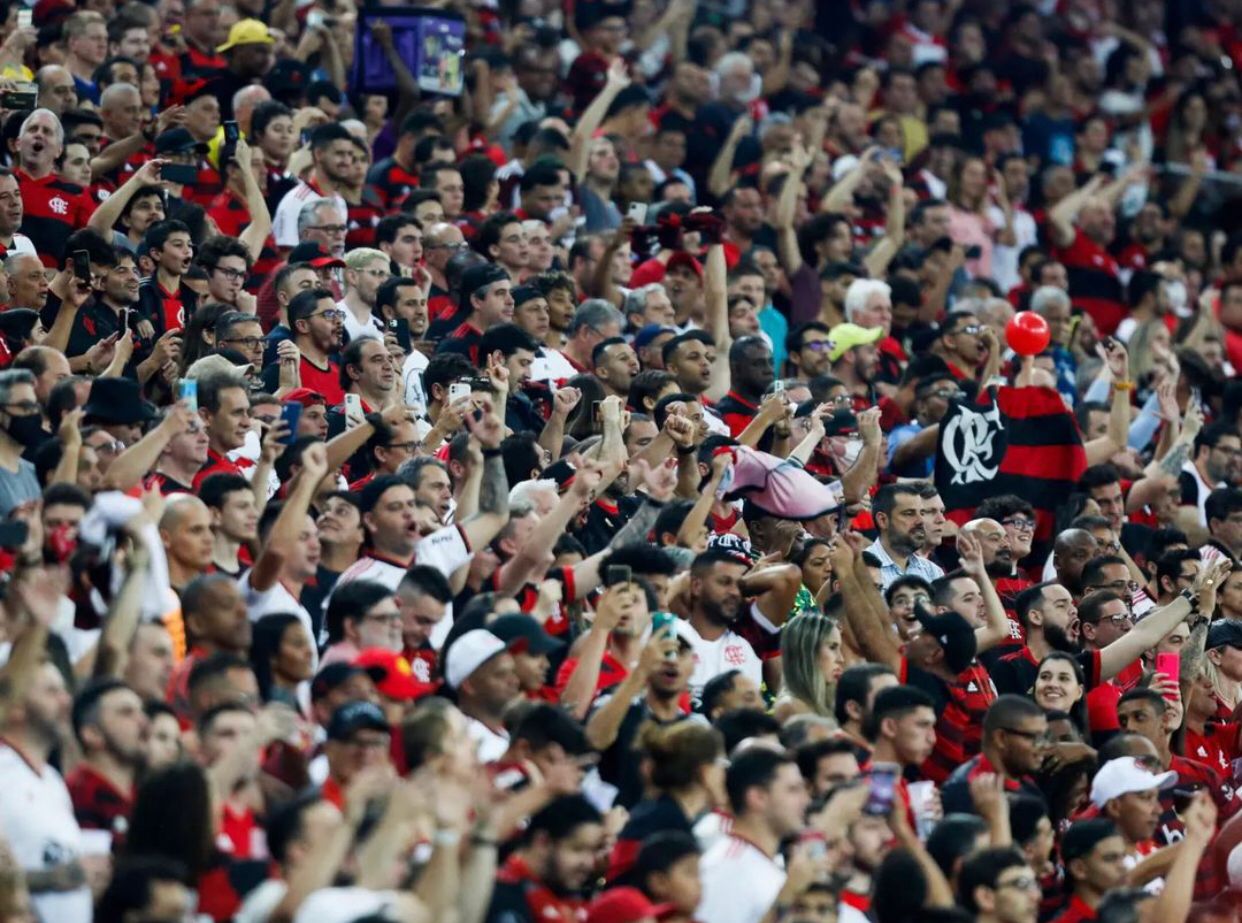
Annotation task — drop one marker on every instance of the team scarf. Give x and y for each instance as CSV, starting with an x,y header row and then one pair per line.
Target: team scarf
x,y
1021,441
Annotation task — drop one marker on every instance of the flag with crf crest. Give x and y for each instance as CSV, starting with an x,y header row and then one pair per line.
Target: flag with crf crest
x,y
1019,441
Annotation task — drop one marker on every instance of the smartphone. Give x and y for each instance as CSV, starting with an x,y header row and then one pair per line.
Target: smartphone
x,y
595,411
883,778
1171,666
973,252
229,147
183,174
231,132
638,212
401,327
353,410
778,386
1197,397
25,18
22,96
664,622
458,390
187,390
127,320
82,265
291,413
13,534
618,573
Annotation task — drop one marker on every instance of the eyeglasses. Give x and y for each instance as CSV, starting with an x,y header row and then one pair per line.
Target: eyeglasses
x,y
454,247
406,446
247,342
947,394
1025,883
24,408
841,400
1021,523
1040,737
330,314
971,329
818,346
232,274
333,229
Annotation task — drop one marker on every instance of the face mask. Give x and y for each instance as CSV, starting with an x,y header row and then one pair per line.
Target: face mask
x,y
1176,292
26,431
853,448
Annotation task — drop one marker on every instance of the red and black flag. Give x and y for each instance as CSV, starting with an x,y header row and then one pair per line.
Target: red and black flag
x,y
1021,441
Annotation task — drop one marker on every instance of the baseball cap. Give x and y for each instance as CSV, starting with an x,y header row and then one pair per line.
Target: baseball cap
x,y
649,333
304,396
1224,632
331,677
178,141
953,632
481,276
391,674
562,472
844,337
523,634
247,32
353,717
733,545
1124,775
312,251
624,905
525,293
682,258
468,653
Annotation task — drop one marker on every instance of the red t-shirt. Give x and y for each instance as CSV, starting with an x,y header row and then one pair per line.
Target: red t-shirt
x,y
323,381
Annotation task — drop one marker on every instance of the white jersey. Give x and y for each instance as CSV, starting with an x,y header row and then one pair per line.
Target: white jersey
x,y
740,882
37,822
445,549
552,367
711,658
360,330
285,221
491,745
412,381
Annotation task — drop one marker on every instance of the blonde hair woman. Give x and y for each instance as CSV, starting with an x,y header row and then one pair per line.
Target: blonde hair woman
x,y
812,662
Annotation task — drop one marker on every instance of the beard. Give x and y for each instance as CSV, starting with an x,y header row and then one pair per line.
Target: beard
x,y
718,613
1059,640
1000,567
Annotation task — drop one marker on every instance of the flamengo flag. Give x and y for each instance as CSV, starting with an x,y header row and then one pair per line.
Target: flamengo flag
x,y
1019,441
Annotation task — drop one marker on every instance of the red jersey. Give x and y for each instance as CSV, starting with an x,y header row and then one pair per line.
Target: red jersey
x,y
1095,280
325,381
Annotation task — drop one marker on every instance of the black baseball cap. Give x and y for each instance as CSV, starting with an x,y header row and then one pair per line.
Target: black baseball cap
x,y
953,632
481,276
353,717
523,634
1224,632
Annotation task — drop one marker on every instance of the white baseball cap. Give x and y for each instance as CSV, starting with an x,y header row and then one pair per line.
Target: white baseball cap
x,y
469,652
1125,775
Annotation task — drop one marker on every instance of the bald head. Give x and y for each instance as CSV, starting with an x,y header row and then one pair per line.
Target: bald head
x,y
178,508
1070,553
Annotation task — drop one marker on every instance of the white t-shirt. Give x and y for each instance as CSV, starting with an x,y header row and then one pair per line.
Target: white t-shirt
x,y
552,367
492,746
343,905
285,221
412,381
711,658
360,330
739,882
445,549
37,821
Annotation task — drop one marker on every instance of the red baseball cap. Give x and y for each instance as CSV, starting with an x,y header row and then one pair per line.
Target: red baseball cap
x,y
625,905
682,258
392,675
304,396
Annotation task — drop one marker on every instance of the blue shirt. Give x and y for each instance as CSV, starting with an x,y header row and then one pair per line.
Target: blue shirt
x,y
900,435
916,566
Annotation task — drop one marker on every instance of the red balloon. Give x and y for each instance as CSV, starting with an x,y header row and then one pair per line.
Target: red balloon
x,y
1028,334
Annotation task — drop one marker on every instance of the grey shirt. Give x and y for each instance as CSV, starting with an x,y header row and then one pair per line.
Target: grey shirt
x,y
18,487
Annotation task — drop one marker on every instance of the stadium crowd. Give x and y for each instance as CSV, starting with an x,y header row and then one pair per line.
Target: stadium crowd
x,y
747,461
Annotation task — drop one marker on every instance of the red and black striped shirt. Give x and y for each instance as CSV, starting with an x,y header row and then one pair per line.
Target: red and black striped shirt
x,y
960,707
52,209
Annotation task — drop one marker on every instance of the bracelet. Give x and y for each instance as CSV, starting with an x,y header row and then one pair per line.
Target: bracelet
x,y
376,420
446,838
491,453
686,450
1123,386
478,839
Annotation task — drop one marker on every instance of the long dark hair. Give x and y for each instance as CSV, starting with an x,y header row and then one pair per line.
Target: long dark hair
x,y
172,819
268,632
